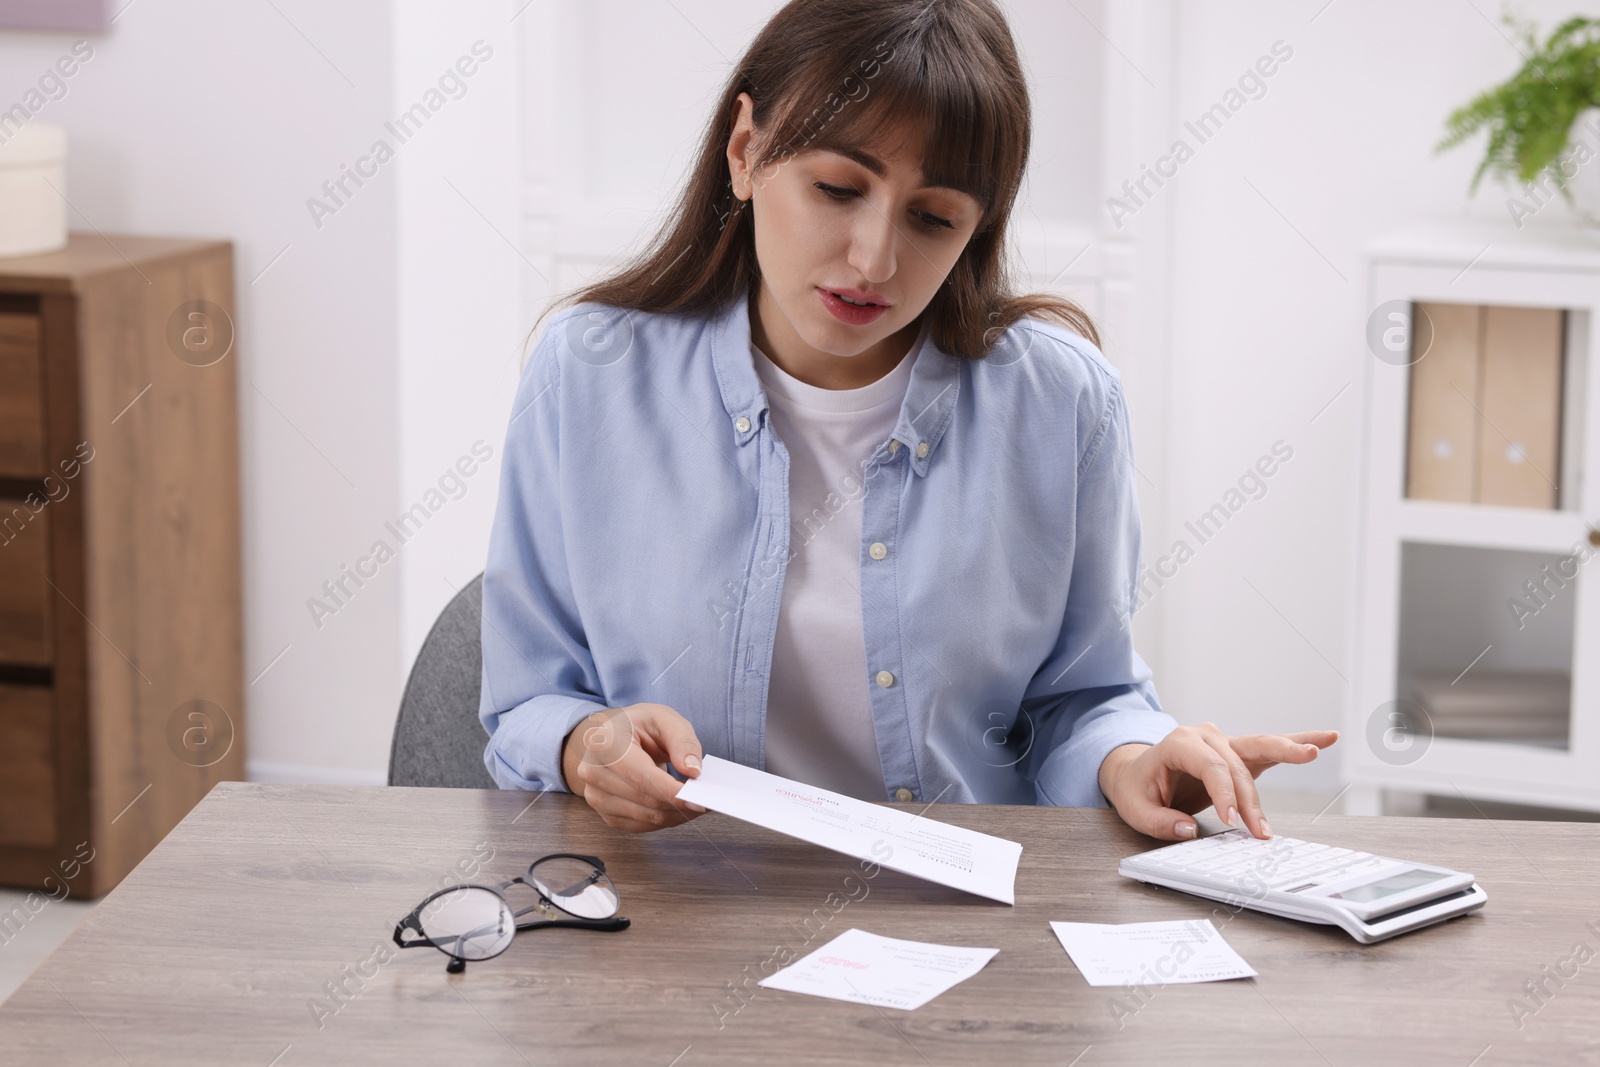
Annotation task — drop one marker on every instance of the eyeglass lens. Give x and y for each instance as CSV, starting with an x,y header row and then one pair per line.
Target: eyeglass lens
x,y
471,922
576,886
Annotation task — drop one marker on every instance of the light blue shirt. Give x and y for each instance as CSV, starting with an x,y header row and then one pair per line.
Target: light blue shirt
x,y
643,527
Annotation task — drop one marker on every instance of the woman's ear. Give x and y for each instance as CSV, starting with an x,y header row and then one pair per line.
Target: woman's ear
x,y
739,146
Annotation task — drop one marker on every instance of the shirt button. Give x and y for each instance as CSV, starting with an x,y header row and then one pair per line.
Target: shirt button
x,y
902,794
922,449
742,424
885,679
894,445
877,551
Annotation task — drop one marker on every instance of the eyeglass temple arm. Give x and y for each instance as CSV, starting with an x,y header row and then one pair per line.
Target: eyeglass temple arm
x,y
616,922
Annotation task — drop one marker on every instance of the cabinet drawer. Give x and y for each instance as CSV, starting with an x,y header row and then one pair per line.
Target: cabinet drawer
x,y
22,453
27,766
25,596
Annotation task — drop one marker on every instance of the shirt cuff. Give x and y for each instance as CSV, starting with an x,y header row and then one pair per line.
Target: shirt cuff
x,y
525,750
1070,777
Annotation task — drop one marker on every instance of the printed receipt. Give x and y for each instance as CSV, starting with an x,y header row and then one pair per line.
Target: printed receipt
x,y
911,844
1150,953
886,971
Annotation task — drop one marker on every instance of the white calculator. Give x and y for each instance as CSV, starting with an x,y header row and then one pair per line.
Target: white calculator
x,y
1371,897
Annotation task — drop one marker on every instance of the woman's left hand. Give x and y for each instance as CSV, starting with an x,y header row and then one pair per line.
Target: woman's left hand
x,y
1156,787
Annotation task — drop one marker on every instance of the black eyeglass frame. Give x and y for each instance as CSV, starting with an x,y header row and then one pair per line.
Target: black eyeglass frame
x,y
458,963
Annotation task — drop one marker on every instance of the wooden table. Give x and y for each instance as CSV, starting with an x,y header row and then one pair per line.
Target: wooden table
x,y
222,947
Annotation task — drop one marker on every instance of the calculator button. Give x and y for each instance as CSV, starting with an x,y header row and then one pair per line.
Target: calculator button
x,y
1163,855
1303,852
1300,871
1278,881
1234,870
1325,874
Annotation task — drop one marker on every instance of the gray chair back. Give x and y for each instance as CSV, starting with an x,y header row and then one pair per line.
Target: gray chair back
x,y
438,738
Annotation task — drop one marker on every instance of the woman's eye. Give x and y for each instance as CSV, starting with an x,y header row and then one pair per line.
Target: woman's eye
x,y
928,221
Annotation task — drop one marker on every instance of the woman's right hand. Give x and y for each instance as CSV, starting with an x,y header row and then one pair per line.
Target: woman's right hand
x,y
617,761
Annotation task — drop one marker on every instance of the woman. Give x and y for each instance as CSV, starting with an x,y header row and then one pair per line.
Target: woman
x,y
806,486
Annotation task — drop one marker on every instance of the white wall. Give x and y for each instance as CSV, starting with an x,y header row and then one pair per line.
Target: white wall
x,y
1269,220
367,345
462,272
198,119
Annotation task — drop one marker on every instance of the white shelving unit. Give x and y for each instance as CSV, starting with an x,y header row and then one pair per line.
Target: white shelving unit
x,y
1434,579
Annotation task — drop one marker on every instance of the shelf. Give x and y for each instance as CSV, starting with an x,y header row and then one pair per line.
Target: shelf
x,y
1481,770
1481,672
1539,246
1481,526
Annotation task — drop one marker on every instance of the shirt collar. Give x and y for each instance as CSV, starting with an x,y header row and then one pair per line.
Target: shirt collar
x,y
925,413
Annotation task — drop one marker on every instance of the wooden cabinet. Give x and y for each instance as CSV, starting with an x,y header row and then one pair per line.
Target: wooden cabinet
x,y
121,658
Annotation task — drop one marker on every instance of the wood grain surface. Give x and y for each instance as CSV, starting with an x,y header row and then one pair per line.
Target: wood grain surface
x,y
222,947
21,396
120,599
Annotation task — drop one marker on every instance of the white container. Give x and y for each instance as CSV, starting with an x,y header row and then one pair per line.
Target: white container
x,y
33,216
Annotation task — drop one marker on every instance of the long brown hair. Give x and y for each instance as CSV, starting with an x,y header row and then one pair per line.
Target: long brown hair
x,y
832,73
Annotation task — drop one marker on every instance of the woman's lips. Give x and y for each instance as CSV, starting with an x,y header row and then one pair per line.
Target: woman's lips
x,y
850,313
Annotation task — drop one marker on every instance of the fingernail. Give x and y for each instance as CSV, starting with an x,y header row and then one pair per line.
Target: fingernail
x,y
691,763
1185,829
1266,828
692,806
1234,820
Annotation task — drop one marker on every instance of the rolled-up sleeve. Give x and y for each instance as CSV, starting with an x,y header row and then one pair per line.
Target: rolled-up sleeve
x,y
1094,692
539,679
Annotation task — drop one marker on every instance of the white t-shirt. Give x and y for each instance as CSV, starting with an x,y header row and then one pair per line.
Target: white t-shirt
x,y
819,720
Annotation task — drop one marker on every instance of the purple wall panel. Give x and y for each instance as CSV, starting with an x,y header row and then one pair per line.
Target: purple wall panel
x,y
56,14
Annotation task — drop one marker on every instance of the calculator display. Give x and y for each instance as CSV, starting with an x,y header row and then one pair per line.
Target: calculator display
x,y
1389,886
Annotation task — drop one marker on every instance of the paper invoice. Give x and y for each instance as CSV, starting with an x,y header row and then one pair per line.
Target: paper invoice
x,y
1150,953
912,844
865,968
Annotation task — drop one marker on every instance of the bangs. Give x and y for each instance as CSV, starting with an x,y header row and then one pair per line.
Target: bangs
x,y
915,94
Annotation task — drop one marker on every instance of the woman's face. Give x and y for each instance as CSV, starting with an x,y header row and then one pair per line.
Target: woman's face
x,y
828,227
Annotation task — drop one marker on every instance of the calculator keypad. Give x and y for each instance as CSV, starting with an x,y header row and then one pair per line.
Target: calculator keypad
x,y
1279,862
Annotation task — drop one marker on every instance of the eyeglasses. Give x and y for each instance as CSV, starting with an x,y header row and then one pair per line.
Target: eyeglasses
x,y
476,922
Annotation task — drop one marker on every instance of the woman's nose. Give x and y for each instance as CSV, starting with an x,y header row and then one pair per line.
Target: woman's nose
x,y
873,244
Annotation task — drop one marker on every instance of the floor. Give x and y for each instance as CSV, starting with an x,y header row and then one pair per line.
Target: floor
x,y
30,931
28,935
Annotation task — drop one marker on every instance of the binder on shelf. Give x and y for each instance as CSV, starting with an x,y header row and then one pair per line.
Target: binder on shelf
x,y
1444,429
1484,425
1519,451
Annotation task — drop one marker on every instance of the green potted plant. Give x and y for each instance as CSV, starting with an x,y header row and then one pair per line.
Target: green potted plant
x,y
1543,122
